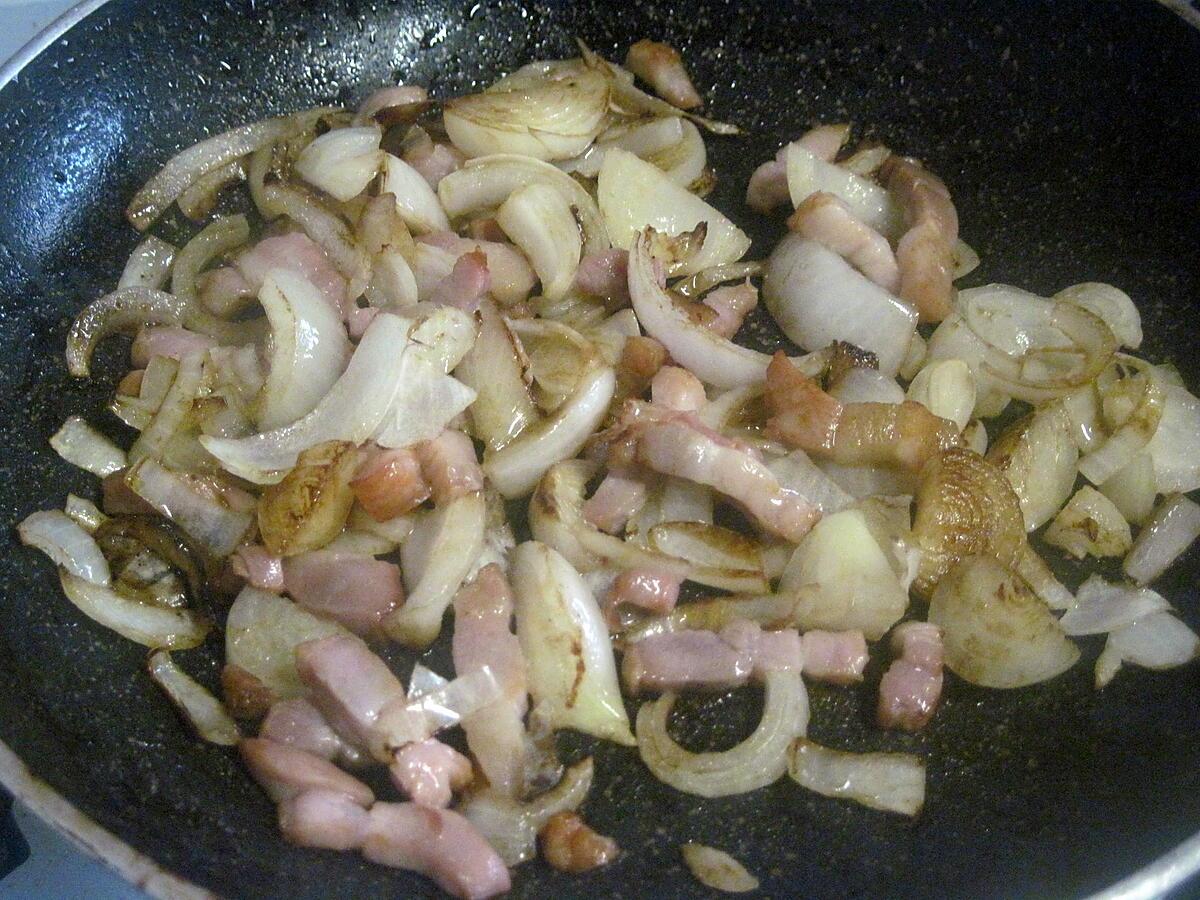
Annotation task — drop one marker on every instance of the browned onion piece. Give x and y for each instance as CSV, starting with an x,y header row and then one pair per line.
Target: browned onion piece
x,y
964,506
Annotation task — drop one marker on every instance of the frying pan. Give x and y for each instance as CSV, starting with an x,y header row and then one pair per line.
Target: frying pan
x,y
1067,132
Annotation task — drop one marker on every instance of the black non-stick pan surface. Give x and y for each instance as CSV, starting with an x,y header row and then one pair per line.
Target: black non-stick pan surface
x,y
1068,132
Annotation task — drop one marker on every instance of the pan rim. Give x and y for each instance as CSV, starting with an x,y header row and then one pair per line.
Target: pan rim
x,y
1153,880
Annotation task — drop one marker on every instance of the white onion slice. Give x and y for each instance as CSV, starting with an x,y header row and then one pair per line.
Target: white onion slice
x,y
572,676
181,170
173,412
1102,607
634,194
342,162
1133,489
435,559
1090,524
66,543
327,229
200,510
426,402
817,297
945,387
495,370
416,201
684,161
149,265
808,173
538,220
710,357
202,711
486,182
150,626
796,472
640,138
1173,447
1126,442
308,348
755,762
517,467
84,513
892,782
867,386
1112,305
1163,539
717,869
82,445
1158,641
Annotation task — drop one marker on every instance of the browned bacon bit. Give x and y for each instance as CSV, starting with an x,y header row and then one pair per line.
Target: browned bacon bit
x,y
641,358
925,253
661,67
245,696
390,484
731,304
911,687
826,219
845,356
569,845
619,496
804,416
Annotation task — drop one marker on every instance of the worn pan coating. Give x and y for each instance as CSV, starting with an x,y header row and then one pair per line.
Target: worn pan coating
x,y
1066,130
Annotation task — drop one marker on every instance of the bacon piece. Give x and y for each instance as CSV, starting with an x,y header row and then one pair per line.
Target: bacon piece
x,y
676,388
427,771
434,161
512,278
616,501
223,291
449,465
838,657
768,187
348,683
731,303
391,484
483,636
924,253
706,660
325,819
911,687
661,67
569,845
437,843
826,219
653,592
356,591
804,416
166,340
467,284
605,274
285,772
298,724
261,568
298,253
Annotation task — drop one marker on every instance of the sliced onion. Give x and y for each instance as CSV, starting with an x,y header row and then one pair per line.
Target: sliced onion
x,y
1089,525
1042,581
516,469
808,173
684,161
173,412
416,201
1173,447
1158,641
1112,305
966,260
127,309
327,229
705,280
642,138
572,676
495,370
426,402
1130,438
486,182
150,626
709,546
817,297
442,549
433,703
628,99
547,119
1039,458
859,385
756,762
149,265
892,782
845,577
1133,489
82,445
717,869
342,162
218,517
1103,607
796,472
996,633
220,236
202,194
634,195
352,411
67,544
84,513
202,711
540,222
946,388
183,169
308,348
511,827
1163,539
710,357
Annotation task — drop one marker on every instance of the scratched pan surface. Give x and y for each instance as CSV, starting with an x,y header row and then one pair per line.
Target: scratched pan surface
x,y
1067,132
